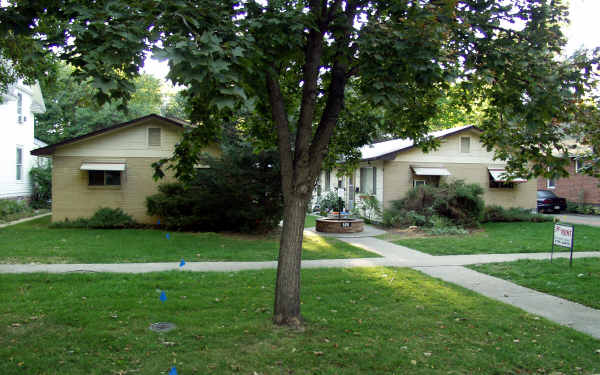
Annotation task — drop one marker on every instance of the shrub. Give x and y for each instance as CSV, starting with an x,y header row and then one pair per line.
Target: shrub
x,y
391,218
14,209
241,191
499,214
103,218
572,207
459,202
110,218
10,207
370,207
441,226
41,181
77,223
328,202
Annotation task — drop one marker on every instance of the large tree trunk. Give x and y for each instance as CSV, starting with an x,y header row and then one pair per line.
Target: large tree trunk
x,y
287,289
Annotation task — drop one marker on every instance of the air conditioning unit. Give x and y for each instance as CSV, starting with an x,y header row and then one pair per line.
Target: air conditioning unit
x,y
20,119
24,118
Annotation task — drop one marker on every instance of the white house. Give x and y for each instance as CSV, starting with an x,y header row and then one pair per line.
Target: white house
x,y
17,140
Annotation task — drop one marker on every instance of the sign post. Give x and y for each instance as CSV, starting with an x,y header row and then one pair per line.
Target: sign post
x,y
563,236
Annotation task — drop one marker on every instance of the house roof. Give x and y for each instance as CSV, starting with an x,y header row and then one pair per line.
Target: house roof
x,y
389,149
48,150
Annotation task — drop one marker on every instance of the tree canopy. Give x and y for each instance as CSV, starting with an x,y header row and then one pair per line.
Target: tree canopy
x,y
314,78
71,109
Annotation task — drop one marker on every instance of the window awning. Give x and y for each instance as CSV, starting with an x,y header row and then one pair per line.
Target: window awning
x,y
499,175
430,171
103,166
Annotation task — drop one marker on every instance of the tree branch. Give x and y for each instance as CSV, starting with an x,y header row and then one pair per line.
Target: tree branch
x,y
313,53
335,98
280,118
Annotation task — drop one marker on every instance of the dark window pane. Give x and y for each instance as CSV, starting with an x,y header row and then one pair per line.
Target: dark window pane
x,y
154,137
96,178
113,178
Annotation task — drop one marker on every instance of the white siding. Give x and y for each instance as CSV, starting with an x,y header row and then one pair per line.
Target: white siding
x,y
13,134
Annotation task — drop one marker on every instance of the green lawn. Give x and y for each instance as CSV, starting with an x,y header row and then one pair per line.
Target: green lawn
x,y
579,284
504,238
310,221
22,215
33,241
360,321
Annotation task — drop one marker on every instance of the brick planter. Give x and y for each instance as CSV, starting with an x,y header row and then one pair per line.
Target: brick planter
x,y
340,225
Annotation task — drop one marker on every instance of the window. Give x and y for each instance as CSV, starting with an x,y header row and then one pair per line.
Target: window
x,y
368,180
327,180
417,183
19,107
578,165
19,164
500,183
465,145
104,178
551,183
153,136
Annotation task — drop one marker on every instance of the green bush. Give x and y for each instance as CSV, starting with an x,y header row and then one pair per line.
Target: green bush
x,y
499,214
111,218
76,223
572,207
459,202
103,218
442,226
370,207
11,207
41,181
328,202
391,218
241,191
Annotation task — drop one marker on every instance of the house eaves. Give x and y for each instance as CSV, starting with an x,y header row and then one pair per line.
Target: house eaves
x,y
389,149
48,150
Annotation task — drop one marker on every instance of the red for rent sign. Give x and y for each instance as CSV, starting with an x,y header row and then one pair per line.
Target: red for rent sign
x,y
563,235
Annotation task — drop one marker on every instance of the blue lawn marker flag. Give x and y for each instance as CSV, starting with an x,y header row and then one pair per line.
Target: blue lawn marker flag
x,y
173,371
158,222
168,236
163,296
182,263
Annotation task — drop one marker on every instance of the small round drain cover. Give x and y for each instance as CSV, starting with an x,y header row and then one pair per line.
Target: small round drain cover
x,y
162,327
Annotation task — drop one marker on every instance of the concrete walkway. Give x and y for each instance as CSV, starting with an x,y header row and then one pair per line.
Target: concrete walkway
x,y
24,220
448,268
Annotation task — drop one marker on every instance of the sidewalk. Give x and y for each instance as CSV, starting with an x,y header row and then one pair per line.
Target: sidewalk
x,y
448,268
24,220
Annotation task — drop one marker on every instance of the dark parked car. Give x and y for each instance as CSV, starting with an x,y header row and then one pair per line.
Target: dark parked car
x,y
548,201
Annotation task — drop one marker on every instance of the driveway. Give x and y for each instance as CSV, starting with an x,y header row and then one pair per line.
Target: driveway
x,y
593,220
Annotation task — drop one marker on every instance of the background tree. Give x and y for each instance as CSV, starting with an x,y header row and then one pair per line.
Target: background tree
x,y
175,105
290,65
71,109
457,108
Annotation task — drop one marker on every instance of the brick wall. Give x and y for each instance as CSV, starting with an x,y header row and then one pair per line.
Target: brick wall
x,y
570,188
72,198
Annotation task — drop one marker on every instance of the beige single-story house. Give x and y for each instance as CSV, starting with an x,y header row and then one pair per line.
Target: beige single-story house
x,y
111,167
388,170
